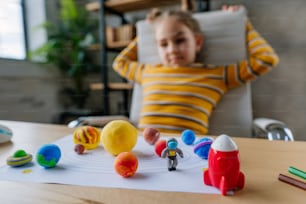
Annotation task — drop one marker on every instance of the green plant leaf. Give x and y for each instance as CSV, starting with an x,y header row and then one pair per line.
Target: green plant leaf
x,y
68,41
68,10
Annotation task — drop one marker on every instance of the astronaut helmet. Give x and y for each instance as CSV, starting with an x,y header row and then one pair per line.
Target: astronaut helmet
x,y
172,143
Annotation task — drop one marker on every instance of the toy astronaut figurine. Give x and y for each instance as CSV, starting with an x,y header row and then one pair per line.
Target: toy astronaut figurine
x,y
171,151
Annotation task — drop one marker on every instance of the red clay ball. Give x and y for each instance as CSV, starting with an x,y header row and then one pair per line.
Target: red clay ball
x,y
151,135
160,146
126,164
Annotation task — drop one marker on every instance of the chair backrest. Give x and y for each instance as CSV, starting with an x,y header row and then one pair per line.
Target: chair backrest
x,y
224,43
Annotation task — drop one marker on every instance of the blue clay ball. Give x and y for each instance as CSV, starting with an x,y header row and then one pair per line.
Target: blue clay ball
x,y
48,155
202,147
188,137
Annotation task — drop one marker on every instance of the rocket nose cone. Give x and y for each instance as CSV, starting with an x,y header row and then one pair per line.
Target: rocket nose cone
x,y
224,143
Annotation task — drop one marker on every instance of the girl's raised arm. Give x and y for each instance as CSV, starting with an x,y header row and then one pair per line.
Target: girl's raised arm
x,y
261,60
126,63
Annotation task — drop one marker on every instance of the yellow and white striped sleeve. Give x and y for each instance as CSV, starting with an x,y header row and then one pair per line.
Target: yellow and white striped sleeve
x,y
126,64
262,59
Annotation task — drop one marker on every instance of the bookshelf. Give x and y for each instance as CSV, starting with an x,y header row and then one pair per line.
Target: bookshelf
x,y
109,41
122,6
119,7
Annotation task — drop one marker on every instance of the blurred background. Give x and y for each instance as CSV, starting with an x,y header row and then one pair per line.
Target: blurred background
x,y
34,91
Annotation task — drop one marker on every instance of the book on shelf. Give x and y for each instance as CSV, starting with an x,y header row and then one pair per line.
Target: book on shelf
x,y
123,33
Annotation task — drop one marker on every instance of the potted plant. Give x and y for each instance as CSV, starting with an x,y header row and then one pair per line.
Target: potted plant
x,y
67,48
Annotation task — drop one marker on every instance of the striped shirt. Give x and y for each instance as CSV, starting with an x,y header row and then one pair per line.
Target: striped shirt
x,y
175,99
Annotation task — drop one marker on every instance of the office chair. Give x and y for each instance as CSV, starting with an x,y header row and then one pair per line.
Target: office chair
x,y
224,44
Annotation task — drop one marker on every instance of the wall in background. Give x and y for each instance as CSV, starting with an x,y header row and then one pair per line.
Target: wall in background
x,y
32,92
280,94
28,92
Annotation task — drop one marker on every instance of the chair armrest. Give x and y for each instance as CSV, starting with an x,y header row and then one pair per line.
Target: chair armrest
x,y
271,129
96,121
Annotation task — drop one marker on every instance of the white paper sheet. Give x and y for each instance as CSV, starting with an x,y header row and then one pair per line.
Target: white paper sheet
x,y
95,168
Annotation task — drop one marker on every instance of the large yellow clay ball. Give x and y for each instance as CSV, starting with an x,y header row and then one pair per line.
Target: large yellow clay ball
x,y
118,136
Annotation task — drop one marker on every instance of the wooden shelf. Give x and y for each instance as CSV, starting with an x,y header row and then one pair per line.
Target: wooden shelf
x,y
112,86
114,42
130,5
118,44
114,45
93,6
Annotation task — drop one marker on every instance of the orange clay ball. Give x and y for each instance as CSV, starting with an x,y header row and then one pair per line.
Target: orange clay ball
x,y
126,164
160,146
87,136
151,135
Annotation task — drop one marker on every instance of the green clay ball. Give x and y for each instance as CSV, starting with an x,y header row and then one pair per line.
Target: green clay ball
x,y
20,153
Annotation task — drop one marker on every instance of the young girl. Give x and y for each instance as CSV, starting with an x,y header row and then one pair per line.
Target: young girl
x,y
179,93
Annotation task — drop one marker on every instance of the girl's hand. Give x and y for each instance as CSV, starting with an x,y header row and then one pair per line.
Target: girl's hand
x,y
231,8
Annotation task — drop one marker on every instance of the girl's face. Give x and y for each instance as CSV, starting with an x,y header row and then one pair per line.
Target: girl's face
x,y
177,44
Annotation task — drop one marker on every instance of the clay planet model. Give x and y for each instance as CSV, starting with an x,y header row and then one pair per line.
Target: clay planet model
x,y
160,145
188,137
126,164
48,155
19,158
79,149
118,136
151,135
202,147
88,136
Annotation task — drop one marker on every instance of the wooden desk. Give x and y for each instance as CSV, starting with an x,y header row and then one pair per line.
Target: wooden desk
x,y
261,162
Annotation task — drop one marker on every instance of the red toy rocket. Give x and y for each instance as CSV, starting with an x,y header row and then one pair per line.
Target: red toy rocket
x,y
224,166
